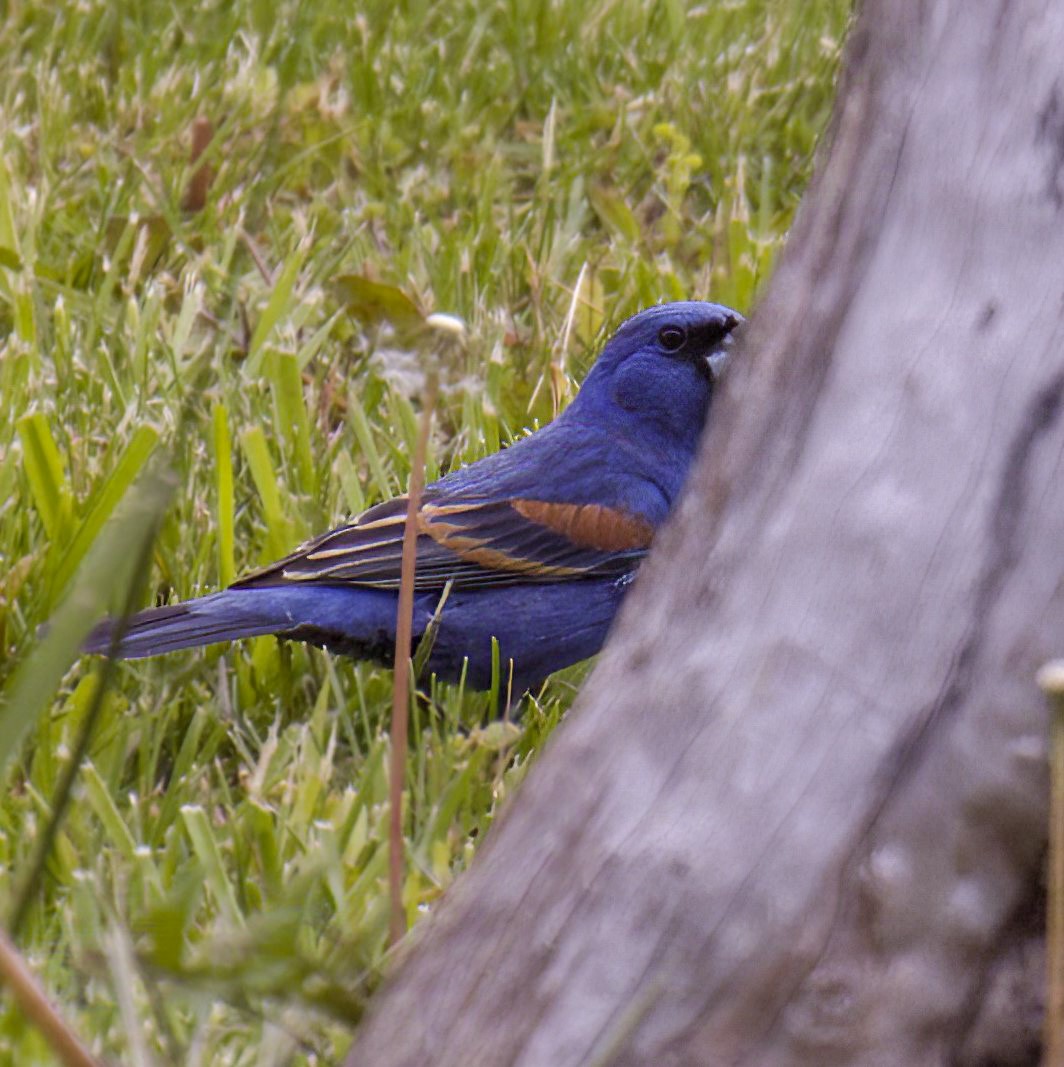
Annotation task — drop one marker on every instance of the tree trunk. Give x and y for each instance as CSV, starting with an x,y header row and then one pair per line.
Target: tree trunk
x,y
802,801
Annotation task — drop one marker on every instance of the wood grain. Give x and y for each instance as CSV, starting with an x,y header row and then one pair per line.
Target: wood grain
x,y
804,793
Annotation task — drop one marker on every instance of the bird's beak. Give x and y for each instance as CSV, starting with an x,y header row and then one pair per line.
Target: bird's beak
x,y
717,360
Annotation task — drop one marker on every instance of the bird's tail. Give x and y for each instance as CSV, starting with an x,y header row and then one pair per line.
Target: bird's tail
x,y
224,616
337,616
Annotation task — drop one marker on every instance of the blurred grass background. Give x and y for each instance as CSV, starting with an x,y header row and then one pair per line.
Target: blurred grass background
x,y
220,228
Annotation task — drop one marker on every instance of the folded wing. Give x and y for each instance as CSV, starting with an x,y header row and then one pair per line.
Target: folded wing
x,y
471,543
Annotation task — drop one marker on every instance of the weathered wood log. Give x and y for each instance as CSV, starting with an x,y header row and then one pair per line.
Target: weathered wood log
x,y
804,793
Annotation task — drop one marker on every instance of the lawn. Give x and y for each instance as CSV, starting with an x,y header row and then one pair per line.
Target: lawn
x,y
221,228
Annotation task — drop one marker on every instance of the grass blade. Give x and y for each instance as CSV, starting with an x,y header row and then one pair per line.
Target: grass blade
x,y
103,503
360,424
44,471
111,564
290,416
278,525
223,483
276,306
102,803
205,846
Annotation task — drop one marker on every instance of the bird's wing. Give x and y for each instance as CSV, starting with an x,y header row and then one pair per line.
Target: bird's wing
x,y
471,543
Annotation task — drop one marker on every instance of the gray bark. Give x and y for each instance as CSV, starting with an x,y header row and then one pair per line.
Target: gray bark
x,y
803,796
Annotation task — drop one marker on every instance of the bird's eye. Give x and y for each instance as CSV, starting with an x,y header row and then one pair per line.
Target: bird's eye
x,y
672,338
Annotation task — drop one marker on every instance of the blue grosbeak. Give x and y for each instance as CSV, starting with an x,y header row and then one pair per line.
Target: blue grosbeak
x,y
535,545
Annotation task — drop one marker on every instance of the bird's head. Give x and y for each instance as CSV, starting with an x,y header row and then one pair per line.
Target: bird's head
x,y
657,372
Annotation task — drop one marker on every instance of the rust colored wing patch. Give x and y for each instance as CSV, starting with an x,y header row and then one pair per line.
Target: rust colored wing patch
x,y
589,525
470,544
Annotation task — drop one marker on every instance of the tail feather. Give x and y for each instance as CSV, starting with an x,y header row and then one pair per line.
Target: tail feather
x,y
204,621
358,621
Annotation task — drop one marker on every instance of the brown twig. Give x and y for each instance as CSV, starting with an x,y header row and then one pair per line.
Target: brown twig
x,y
401,691
34,1003
1051,679
257,256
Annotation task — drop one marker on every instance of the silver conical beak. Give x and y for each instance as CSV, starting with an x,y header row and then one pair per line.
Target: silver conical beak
x,y
717,360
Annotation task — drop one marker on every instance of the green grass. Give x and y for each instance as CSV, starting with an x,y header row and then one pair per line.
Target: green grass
x,y
216,891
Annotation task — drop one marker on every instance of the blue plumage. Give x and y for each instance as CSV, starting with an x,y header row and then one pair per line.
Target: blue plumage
x,y
535,545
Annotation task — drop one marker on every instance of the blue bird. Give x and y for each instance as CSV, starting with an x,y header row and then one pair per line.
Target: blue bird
x,y
534,545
